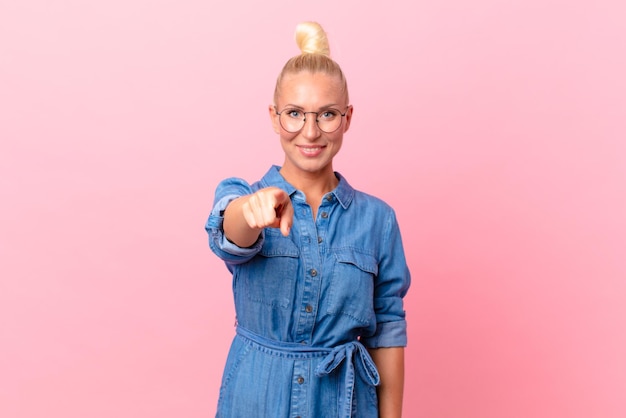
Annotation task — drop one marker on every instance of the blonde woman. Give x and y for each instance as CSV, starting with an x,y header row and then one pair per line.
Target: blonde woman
x,y
319,272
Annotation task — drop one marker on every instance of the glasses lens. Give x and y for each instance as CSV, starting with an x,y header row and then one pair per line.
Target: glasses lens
x,y
329,120
292,120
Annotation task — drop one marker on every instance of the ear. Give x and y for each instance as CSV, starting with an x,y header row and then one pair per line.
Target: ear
x,y
274,118
348,117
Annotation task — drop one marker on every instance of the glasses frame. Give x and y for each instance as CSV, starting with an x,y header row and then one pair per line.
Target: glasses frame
x,y
317,121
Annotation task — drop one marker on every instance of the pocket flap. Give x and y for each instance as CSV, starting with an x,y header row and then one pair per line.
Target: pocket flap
x,y
359,259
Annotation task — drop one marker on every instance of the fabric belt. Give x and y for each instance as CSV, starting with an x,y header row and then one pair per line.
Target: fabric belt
x,y
352,356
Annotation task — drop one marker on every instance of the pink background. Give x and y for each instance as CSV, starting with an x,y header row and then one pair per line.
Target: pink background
x,y
495,128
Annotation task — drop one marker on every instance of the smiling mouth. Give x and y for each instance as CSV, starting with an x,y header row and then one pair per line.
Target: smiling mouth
x,y
310,150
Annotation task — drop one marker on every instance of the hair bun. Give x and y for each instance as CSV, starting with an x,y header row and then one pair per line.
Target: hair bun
x,y
312,39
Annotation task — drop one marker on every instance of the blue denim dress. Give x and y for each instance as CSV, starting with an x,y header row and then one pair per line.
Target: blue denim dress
x,y
308,305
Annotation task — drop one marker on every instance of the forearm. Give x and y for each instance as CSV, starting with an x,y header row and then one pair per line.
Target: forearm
x,y
390,365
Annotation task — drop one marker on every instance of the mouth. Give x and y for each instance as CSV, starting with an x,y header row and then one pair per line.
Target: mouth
x,y
310,151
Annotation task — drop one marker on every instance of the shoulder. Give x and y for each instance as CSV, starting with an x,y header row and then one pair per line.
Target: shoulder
x,y
371,202
373,211
232,186
358,200
238,185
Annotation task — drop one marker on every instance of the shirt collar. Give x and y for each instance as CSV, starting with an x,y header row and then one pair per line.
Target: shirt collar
x,y
343,192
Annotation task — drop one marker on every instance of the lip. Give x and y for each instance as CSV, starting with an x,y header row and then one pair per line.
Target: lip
x,y
311,151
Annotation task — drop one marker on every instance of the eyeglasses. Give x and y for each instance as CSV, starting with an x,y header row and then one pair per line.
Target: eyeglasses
x,y
292,120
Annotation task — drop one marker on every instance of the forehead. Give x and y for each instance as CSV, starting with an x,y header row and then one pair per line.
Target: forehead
x,y
311,90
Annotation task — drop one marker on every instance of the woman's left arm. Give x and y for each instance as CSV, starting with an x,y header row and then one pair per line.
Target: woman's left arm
x,y
390,364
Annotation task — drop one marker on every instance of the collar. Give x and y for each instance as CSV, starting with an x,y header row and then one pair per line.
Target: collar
x,y
344,193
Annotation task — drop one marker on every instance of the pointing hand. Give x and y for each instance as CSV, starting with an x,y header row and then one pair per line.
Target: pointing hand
x,y
269,207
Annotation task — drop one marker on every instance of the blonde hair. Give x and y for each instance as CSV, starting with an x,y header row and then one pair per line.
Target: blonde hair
x,y
314,57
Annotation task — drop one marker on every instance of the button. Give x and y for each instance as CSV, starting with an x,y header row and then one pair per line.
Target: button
x,y
329,197
319,240
308,308
324,215
300,380
313,272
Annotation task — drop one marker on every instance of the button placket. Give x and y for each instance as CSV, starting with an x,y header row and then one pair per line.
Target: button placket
x,y
310,286
298,394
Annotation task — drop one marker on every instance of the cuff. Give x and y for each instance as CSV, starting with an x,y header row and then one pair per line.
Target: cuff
x,y
388,334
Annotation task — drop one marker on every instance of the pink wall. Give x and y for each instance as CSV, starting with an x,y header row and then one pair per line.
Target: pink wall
x,y
495,128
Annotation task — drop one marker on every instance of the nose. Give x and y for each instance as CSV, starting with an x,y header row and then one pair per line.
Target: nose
x,y
310,130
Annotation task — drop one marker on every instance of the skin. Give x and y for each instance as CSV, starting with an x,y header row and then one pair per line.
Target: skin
x,y
390,364
308,166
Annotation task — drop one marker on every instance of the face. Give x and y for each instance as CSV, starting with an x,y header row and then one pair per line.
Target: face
x,y
310,151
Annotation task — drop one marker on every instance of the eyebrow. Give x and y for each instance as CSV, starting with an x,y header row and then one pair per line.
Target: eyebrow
x,y
294,106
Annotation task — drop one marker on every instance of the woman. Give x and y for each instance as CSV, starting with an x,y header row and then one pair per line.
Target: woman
x,y
319,272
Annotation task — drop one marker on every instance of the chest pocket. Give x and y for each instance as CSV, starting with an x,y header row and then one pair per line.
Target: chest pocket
x,y
351,291
270,277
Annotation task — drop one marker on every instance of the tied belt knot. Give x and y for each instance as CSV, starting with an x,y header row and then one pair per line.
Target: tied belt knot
x,y
353,356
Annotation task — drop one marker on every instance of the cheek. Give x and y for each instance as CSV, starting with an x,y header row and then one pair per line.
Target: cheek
x,y
286,136
336,139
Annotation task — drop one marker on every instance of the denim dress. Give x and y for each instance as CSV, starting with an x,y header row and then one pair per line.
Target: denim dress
x,y
309,305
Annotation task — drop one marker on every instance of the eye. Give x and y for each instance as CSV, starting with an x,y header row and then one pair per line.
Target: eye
x,y
294,113
329,114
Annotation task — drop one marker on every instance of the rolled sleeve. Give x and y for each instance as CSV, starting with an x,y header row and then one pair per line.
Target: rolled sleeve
x,y
227,191
388,334
392,284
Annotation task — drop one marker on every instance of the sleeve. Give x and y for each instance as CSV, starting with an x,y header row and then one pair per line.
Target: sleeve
x,y
392,284
227,191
